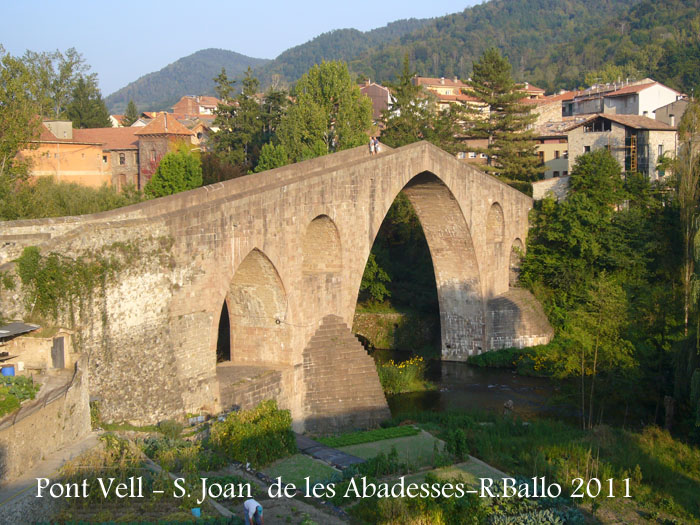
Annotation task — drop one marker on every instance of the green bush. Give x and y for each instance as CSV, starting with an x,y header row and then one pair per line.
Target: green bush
x,y
178,455
14,390
259,436
369,436
406,376
170,429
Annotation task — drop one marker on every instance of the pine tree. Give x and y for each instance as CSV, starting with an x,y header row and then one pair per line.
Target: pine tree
x,y
131,115
239,138
511,150
87,108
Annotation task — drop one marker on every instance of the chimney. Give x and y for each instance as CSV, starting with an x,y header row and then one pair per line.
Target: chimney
x,y
442,80
673,120
456,80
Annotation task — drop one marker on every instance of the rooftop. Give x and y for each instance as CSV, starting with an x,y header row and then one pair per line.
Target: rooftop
x,y
163,124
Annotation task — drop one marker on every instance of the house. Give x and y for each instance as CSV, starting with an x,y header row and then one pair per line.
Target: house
x,y
117,121
155,140
672,113
637,142
192,106
68,156
120,145
553,147
642,97
380,97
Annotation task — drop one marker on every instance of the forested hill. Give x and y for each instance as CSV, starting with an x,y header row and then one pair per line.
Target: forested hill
x,y
551,43
341,44
190,75
555,43
527,31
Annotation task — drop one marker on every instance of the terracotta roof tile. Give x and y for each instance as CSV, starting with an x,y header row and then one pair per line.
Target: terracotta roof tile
x,y
110,138
164,124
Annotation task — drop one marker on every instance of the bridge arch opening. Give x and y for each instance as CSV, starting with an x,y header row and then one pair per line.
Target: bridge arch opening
x,y
223,342
517,251
450,254
257,305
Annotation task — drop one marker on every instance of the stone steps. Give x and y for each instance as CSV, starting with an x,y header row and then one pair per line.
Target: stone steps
x,y
342,386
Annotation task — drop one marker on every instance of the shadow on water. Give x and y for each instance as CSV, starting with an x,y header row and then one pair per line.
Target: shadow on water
x,y
464,387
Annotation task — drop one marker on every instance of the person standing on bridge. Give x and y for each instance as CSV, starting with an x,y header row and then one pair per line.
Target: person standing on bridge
x,y
371,146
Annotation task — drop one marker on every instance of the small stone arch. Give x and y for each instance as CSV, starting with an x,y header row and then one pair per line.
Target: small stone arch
x,y
321,247
517,250
495,224
257,306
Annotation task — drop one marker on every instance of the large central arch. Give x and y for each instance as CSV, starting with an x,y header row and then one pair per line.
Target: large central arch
x,y
455,265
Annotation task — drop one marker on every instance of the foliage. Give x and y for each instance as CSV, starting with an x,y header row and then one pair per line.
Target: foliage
x,y
663,471
177,455
329,114
14,390
18,122
86,108
170,428
177,171
131,114
272,157
372,286
369,436
54,283
511,150
46,197
406,376
240,134
258,436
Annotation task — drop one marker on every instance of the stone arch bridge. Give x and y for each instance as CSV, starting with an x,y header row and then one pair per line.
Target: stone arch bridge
x,y
265,271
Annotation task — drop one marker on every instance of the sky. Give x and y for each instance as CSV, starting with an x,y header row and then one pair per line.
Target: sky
x,y
124,40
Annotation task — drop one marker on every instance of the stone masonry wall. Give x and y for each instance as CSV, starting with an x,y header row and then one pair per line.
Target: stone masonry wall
x,y
150,335
44,425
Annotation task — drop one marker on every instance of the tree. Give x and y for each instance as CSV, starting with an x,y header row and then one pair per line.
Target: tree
x,y
329,114
271,157
131,114
18,122
239,138
413,115
54,76
178,171
687,172
511,151
374,280
87,109
274,107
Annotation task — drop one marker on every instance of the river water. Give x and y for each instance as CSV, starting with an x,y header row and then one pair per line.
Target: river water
x,y
464,387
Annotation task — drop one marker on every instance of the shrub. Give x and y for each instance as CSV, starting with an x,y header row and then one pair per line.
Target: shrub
x,y
14,390
170,429
177,455
406,376
259,436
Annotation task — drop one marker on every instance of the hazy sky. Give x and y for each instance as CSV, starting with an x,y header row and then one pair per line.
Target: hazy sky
x,y
123,40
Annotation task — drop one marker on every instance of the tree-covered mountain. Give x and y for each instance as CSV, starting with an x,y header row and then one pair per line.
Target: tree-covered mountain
x,y
341,44
551,43
190,75
526,31
554,43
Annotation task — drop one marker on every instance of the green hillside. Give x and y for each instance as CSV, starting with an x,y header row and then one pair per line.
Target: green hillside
x,y
190,75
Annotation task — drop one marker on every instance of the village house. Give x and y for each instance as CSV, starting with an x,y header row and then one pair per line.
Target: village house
x,y
379,95
193,106
155,140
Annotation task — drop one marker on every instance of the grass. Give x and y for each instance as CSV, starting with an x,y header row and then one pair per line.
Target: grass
x,y
296,468
356,438
417,451
664,473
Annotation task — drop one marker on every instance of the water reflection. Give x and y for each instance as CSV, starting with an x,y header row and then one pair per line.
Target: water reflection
x,y
463,387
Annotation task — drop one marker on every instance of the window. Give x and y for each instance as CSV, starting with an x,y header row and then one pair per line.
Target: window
x,y
122,159
556,174
557,154
566,153
596,126
564,173
104,159
483,155
153,155
661,150
586,149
